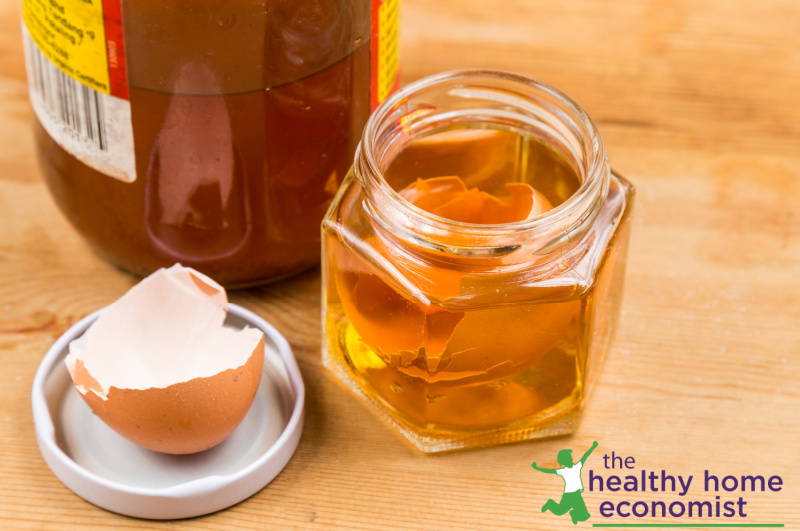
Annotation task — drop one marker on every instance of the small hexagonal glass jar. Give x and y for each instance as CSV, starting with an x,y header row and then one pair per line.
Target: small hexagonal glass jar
x,y
473,261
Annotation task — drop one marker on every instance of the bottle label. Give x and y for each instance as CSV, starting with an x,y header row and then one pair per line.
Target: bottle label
x,y
75,59
385,49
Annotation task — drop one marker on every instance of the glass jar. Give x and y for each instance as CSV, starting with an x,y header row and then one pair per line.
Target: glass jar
x,y
466,334
207,132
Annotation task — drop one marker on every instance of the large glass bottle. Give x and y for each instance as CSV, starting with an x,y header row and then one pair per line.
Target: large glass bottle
x,y
245,115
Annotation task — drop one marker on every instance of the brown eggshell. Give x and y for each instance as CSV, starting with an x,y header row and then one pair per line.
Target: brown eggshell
x,y
182,418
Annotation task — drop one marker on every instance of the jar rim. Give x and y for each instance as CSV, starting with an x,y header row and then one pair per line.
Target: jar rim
x,y
585,199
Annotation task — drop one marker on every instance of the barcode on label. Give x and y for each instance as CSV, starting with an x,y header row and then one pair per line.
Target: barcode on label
x,y
78,107
92,126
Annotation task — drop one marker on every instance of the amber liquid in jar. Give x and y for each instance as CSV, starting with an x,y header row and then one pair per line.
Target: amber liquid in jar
x,y
461,363
245,118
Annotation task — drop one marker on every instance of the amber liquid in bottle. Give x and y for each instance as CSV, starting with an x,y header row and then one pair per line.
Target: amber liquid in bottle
x,y
454,365
245,118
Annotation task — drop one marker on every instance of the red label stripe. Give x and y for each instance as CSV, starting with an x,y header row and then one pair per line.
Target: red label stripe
x,y
115,48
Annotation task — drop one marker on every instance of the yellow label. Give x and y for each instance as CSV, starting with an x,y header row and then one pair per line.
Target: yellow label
x,y
71,34
388,64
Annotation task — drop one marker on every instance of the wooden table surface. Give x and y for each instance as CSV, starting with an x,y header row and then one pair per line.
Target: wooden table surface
x,y
698,105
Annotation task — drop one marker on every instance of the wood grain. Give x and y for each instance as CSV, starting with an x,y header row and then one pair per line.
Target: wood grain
x,y
697,102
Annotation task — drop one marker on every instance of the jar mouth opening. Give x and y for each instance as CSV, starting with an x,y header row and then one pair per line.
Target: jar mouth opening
x,y
503,96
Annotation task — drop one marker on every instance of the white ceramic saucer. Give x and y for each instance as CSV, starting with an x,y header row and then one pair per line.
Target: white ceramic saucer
x,y
107,470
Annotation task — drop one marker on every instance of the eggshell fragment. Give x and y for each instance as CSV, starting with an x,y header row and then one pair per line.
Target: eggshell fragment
x,y
159,367
449,197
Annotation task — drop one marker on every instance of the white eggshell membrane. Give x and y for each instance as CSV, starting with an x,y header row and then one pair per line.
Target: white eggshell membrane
x,y
167,329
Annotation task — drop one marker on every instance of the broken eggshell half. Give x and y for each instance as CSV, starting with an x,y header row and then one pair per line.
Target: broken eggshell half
x,y
159,367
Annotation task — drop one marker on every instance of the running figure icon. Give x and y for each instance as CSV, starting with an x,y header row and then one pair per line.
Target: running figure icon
x,y
571,500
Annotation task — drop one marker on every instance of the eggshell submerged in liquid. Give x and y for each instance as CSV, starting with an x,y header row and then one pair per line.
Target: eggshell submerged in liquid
x,y
159,367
